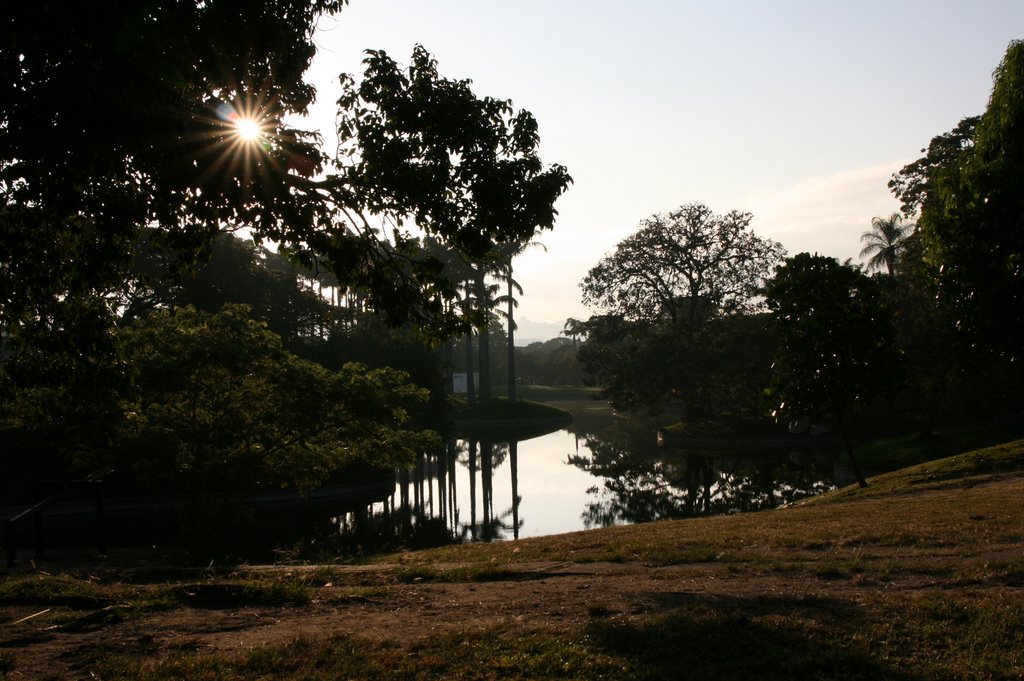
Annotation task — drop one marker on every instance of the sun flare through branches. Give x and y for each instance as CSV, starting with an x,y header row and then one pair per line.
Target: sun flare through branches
x,y
248,129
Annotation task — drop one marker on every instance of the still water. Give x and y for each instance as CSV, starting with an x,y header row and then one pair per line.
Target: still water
x,y
601,470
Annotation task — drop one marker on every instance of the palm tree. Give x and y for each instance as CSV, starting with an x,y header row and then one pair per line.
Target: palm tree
x,y
884,242
510,251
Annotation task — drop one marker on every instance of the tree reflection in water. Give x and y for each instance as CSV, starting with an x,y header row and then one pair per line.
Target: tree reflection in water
x,y
641,482
470,490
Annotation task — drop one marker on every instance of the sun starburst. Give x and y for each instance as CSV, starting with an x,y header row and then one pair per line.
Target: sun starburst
x,y
248,129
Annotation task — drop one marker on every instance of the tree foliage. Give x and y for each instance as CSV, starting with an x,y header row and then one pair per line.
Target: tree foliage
x,y
967,188
120,117
670,292
118,121
915,185
237,271
687,265
424,148
220,406
884,243
427,148
110,122
834,340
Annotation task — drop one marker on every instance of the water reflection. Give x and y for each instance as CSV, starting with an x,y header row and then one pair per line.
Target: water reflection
x,y
595,473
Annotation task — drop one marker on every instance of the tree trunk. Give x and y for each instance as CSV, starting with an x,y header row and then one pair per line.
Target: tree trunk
x,y
511,343
470,381
484,354
448,362
849,450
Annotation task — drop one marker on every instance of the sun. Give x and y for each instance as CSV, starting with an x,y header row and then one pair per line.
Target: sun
x,y
248,129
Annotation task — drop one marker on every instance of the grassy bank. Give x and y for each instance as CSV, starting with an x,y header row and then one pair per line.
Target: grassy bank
x,y
500,409
917,577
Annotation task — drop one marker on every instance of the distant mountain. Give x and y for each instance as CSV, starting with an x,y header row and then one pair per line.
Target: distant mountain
x,y
533,332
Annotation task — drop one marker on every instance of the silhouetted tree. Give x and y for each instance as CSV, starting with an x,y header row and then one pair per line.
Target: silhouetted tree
x,y
117,118
424,148
220,407
685,266
834,341
661,289
968,191
883,244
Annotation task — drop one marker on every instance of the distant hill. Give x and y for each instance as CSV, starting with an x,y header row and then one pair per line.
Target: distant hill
x,y
532,332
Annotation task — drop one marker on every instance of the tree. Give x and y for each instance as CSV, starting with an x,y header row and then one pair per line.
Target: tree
x,y
883,244
427,150
125,117
109,123
915,185
508,254
237,271
661,290
685,266
834,341
221,408
120,116
968,191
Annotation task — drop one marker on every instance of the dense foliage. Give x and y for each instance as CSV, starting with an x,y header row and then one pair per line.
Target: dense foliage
x,y
675,294
967,188
945,304
220,408
834,340
424,148
685,267
122,168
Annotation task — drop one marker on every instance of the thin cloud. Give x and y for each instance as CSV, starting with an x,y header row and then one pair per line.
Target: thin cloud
x,y
826,214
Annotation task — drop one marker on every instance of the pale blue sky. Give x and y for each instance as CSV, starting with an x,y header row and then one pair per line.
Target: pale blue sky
x,y
797,111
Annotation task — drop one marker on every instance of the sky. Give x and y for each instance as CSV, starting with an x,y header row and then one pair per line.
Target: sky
x,y
797,111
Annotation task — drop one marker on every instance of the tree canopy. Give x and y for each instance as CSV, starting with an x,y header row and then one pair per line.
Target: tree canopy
x,y
834,340
967,189
425,149
113,119
123,117
670,291
219,399
686,265
156,127
885,241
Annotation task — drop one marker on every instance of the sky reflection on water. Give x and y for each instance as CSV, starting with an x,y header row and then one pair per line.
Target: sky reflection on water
x,y
575,479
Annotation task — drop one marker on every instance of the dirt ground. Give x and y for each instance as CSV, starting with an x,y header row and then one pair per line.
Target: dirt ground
x,y
563,597
387,603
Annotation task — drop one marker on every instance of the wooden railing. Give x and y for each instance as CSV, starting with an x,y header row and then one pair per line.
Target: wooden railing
x,y
93,481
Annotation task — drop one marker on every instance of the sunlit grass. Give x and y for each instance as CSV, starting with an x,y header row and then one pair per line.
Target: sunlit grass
x,y
895,453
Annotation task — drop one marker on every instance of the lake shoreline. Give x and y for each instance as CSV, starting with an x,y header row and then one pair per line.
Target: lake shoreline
x,y
883,582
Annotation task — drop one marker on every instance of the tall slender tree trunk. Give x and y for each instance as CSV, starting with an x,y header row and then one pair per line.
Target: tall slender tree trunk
x,y
511,341
472,488
484,356
470,380
484,353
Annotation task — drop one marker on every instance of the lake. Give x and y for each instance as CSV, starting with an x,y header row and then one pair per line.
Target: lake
x,y
601,470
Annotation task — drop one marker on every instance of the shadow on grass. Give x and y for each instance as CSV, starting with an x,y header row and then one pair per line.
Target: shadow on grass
x,y
756,638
